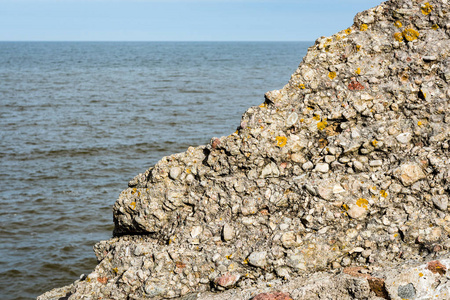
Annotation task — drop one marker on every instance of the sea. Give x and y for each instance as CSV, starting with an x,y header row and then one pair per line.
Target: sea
x,y
78,120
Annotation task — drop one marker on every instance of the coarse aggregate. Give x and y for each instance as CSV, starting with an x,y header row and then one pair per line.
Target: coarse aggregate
x,y
333,186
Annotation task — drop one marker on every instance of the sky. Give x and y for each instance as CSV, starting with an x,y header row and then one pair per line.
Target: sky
x,y
176,20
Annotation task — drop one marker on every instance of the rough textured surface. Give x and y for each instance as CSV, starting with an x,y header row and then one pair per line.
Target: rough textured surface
x,y
347,165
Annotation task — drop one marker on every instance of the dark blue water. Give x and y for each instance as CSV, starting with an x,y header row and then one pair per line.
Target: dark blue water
x,y
79,120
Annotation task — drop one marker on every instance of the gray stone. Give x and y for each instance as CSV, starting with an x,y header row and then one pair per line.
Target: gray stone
x,y
258,259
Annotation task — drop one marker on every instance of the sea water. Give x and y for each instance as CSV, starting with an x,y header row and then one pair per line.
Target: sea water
x,y
78,120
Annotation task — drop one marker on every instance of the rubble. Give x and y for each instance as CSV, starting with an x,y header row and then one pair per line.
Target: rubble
x,y
345,166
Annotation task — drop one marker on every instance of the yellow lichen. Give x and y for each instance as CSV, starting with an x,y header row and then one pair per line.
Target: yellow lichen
x,y
358,47
301,86
374,143
188,171
263,105
302,120
383,193
358,71
420,123
410,34
133,191
345,207
426,8
245,261
348,31
281,141
398,36
332,75
361,202
398,24
435,27
420,274
116,270
322,125
316,117
133,205
88,279
363,27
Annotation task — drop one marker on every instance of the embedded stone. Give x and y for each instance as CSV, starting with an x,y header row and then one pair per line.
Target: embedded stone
x,y
409,174
258,259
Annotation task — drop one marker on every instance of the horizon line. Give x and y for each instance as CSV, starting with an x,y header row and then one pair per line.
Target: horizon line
x,y
152,41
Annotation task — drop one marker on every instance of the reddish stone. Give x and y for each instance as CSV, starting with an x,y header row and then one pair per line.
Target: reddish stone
x,y
377,285
215,143
227,280
356,272
103,280
436,266
273,296
355,86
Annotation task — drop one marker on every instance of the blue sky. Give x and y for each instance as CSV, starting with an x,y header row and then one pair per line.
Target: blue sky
x,y
175,20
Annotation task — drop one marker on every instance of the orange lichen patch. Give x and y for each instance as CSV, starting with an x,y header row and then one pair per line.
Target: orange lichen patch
x,y
363,27
361,202
374,143
133,191
435,27
358,47
410,34
404,77
420,274
420,123
398,36
337,37
332,75
102,280
323,143
436,266
302,120
188,171
245,262
398,24
116,270
426,8
301,86
133,205
281,141
316,117
348,31
345,207
358,71
263,105
383,193
322,125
